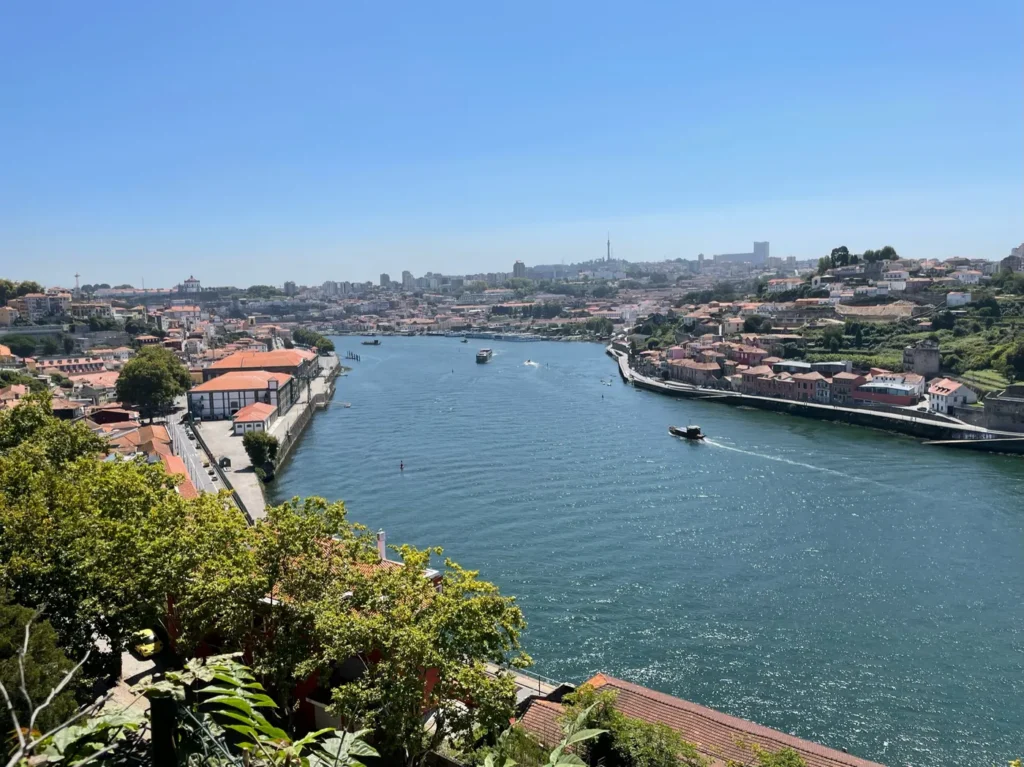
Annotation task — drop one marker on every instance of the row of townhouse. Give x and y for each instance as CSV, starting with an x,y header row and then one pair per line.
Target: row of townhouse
x,y
837,387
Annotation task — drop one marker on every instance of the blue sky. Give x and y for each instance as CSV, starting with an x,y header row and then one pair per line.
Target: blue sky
x,y
262,141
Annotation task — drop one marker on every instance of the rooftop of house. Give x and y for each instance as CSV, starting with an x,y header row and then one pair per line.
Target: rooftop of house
x,y
175,467
944,387
715,734
104,380
257,360
256,412
242,380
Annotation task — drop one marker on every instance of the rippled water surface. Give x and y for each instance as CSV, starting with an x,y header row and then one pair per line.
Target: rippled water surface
x,y
848,586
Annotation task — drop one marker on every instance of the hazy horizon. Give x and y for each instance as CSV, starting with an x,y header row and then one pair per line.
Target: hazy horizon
x,y
252,143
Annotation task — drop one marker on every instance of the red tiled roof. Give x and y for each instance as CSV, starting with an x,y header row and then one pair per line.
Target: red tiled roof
x,y
243,381
541,721
945,386
174,466
258,411
278,358
714,733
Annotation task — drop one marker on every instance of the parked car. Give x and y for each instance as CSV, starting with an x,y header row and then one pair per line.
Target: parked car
x,y
145,644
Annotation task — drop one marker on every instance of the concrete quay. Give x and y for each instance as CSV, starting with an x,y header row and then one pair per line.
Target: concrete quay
x,y
219,440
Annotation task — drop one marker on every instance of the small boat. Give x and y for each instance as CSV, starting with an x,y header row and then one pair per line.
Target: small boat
x,y
346,404
374,342
465,340
484,355
686,432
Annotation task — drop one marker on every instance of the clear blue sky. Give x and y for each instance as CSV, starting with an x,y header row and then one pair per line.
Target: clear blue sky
x,y
262,141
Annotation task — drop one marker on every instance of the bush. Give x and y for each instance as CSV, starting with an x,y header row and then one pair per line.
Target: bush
x,y
261,448
629,742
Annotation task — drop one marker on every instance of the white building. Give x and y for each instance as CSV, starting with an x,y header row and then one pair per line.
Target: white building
x,y
191,285
967,276
225,395
954,298
944,395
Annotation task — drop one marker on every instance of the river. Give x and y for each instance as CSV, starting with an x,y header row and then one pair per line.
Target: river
x,y
852,587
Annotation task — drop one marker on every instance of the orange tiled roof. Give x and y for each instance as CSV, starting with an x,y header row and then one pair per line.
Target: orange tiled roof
x,y
258,411
714,733
541,721
174,466
239,380
278,358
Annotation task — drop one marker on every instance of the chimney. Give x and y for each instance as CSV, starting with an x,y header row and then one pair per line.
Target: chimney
x,y
382,548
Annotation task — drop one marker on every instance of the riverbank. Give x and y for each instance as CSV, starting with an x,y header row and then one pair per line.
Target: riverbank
x,y
219,440
936,430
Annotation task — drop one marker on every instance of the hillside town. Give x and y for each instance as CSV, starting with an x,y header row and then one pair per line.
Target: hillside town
x,y
865,330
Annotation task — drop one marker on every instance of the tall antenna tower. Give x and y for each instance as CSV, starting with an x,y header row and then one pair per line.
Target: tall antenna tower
x,y
77,289
609,256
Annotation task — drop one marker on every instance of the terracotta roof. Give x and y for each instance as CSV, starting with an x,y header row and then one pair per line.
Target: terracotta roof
x,y
541,720
14,391
258,411
760,370
844,376
106,379
714,733
278,358
945,386
174,466
238,380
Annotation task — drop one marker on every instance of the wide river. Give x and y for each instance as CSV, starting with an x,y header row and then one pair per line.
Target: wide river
x,y
845,585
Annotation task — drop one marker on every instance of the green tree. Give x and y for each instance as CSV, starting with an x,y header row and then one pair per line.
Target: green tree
x,y
261,447
757,324
67,343
20,345
49,346
29,286
151,380
8,289
104,543
432,644
840,256
1015,359
43,664
308,337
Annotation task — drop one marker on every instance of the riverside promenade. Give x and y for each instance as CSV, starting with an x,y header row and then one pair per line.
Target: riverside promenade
x,y
220,441
936,429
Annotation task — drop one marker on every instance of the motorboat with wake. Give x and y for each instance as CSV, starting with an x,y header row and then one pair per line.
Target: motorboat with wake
x,y
692,433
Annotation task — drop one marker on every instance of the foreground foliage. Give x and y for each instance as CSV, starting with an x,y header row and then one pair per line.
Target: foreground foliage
x,y
629,742
109,547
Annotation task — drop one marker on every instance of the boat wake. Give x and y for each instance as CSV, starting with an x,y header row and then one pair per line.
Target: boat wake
x,y
532,364
780,459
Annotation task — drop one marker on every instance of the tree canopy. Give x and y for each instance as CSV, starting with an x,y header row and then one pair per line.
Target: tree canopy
x,y
44,664
308,337
103,543
110,547
151,380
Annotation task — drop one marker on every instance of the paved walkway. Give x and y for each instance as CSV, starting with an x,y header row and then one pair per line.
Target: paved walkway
x,y
220,438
